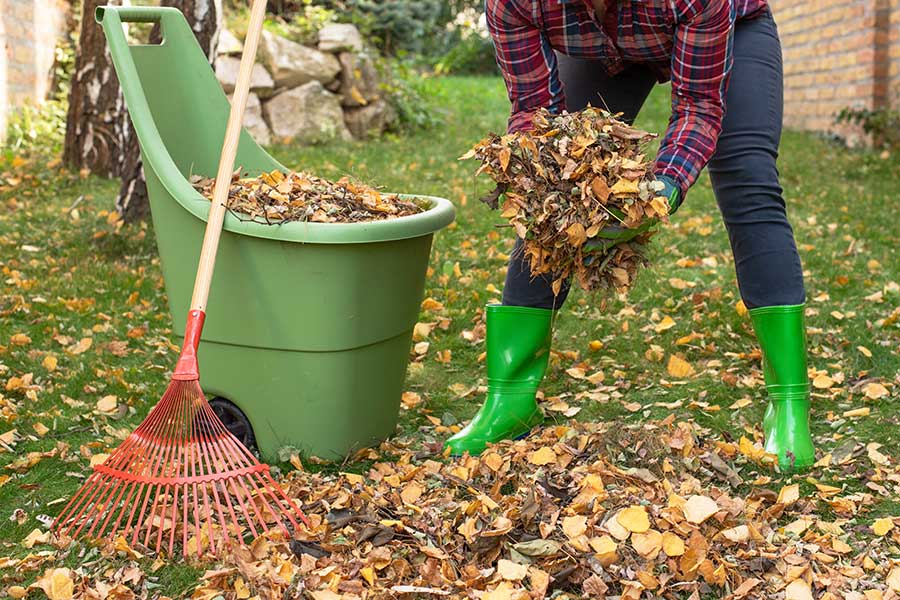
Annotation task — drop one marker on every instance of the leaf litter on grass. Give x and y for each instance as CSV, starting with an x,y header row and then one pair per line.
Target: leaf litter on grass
x,y
657,510
278,197
566,180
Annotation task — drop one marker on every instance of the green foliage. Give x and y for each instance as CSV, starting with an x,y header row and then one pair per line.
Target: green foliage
x,y
414,95
471,55
883,124
41,128
304,25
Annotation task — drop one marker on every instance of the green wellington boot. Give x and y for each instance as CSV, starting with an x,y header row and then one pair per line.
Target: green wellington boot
x,y
518,350
782,337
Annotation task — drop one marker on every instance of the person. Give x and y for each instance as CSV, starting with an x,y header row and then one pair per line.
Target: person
x,y
723,59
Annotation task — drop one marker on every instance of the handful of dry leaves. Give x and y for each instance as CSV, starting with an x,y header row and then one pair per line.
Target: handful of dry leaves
x,y
277,197
566,180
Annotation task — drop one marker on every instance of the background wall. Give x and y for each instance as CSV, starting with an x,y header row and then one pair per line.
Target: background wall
x,y
837,53
28,35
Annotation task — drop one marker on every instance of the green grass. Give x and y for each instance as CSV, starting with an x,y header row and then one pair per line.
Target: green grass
x,y
842,204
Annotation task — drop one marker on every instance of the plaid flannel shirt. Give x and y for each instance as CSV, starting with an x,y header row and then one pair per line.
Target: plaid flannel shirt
x,y
686,41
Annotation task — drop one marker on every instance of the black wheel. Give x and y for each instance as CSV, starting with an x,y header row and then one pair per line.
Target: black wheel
x,y
234,420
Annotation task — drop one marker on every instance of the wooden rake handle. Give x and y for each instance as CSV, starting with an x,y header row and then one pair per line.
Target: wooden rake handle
x,y
226,162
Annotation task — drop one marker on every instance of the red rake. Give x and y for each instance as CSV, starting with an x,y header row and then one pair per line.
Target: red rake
x,y
182,475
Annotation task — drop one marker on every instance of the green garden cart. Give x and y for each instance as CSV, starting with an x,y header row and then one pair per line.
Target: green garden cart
x,y
309,324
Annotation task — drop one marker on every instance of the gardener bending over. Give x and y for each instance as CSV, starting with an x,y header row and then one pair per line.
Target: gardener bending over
x,y
723,58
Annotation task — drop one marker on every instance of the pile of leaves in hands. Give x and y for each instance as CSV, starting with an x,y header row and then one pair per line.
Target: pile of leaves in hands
x,y
656,510
567,179
277,197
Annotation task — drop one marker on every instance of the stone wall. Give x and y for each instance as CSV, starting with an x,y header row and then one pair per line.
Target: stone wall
x,y
309,93
29,30
837,53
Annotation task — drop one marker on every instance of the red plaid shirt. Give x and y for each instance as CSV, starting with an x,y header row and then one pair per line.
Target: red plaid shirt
x,y
687,41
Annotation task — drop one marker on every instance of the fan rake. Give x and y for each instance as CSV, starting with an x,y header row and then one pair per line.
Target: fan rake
x,y
181,476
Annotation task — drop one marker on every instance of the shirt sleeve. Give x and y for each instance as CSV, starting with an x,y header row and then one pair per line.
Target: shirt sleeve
x,y
701,63
527,62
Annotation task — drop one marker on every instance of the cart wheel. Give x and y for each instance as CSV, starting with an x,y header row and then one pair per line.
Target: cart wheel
x,y
235,421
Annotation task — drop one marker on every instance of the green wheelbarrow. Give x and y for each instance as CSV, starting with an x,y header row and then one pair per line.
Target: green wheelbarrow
x,y
309,324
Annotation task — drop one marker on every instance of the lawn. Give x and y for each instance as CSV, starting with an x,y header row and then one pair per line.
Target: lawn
x,y
83,316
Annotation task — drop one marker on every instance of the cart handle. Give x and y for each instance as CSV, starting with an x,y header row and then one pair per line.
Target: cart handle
x,y
133,14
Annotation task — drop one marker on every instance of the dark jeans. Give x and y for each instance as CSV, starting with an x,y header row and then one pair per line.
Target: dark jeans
x,y
743,172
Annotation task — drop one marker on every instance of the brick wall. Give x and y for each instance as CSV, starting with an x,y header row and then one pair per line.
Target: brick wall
x,y
837,53
28,33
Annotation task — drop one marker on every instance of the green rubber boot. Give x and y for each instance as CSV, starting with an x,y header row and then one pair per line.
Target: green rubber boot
x,y
782,337
518,350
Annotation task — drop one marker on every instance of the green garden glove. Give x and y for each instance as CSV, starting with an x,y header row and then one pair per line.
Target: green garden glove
x,y
613,235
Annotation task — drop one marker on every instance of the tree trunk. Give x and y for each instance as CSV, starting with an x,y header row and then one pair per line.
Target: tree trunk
x,y
96,124
205,18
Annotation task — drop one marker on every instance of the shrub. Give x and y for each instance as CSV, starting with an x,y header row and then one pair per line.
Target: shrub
x,y
883,124
42,127
412,94
470,50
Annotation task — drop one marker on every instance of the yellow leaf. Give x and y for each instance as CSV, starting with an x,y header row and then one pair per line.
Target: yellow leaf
x,y
738,534
742,403
882,526
864,351
80,347
577,235
510,570
368,573
664,325
605,547
595,345
19,339
874,391
697,509
893,579
679,368
431,305
98,459
624,187
822,382
741,308
411,493
789,494
57,584
107,404
647,544
857,412
49,362
634,519
574,526
798,590
672,545
542,456
242,592
36,537
17,592
41,429
840,546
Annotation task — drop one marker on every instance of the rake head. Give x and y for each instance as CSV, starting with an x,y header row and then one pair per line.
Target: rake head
x,y
180,477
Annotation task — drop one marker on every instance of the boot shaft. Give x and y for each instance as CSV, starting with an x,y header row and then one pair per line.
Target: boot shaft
x,y
782,338
518,344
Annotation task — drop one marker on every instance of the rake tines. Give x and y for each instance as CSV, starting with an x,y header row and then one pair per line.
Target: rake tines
x,y
180,477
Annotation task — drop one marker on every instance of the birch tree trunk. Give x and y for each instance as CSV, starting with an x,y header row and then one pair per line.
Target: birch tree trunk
x,y
96,124
205,19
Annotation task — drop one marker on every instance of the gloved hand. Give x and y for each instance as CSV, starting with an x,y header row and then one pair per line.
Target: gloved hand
x,y
613,235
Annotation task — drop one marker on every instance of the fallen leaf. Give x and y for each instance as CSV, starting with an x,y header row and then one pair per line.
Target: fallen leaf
x,y
697,509
789,494
542,456
672,545
882,526
875,391
679,368
634,519
511,571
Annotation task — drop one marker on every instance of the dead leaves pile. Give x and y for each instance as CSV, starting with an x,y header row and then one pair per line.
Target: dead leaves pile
x,y
566,180
277,197
586,510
